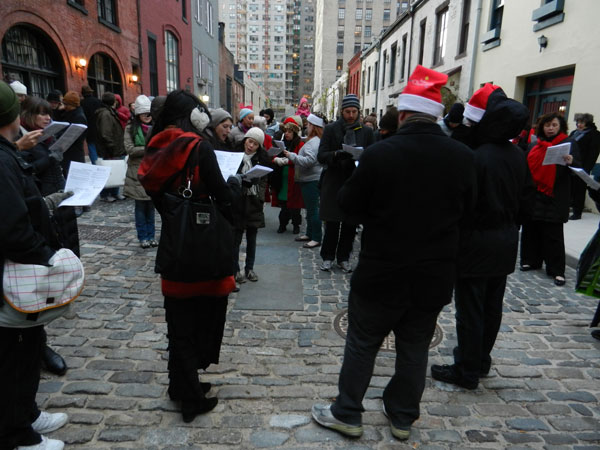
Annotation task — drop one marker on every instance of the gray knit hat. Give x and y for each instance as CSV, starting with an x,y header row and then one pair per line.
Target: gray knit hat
x,y
218,115
350,101
9,104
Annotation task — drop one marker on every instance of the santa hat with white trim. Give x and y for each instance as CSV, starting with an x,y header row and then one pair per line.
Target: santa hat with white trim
x,y
475,109
423,92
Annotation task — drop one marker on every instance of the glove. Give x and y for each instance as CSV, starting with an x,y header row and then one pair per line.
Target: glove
x,y
249,183
57,155
341,155
235,179
281,161
53,200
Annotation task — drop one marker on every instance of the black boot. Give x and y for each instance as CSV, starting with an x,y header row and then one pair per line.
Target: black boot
x,y
53,362
189,410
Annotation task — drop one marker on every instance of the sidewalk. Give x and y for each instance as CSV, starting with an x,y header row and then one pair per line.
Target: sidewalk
x,y
577,235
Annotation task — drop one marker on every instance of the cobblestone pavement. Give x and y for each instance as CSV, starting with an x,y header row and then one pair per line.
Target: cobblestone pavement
x,y
542,392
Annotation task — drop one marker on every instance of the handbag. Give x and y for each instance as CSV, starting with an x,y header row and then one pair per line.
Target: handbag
x,y
196,240
37,293
118,171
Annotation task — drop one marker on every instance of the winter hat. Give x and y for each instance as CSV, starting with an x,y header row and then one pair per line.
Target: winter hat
x,y
244,112
86,90
71,98
316,121
18,87
292,123
142,105
54,96
218,115
270,112
456,113
260,122
257,134
156,105
9,104
295,120
475,109
350,101
423,92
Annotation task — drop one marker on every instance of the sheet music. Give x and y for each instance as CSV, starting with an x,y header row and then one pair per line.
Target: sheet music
x,y
354,151
85,181
52,129
257,171
586,177
556,153
229,162
67,139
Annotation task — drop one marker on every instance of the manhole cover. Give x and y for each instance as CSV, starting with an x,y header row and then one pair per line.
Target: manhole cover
x,y
100,232
340,324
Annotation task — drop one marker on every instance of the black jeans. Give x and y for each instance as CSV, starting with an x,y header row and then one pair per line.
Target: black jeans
x,y
337,241
250,248
578,191
20,364
544,242
478,318
286,214
411,313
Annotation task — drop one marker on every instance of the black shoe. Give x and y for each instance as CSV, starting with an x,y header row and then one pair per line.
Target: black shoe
x,y
53,362
527,267
189,411
575,216
596,334
281,229
296,229
447,374
559,281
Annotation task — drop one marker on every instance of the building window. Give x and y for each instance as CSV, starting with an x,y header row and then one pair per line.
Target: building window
x,y
184,10
386,15
200,11
103,75
368,14
340,31
30,56
209,18
464,27
152,66
358,31
422,40
441,30
359,14
107,12
393,53
550,13
383,68
369,81
340,48
367,31
339,65
78,4
550,92
172,60
341,13
491,39
403,60
375,75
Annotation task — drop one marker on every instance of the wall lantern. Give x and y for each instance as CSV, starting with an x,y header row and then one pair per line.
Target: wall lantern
x,y
205,98
543,42
80,63
133,79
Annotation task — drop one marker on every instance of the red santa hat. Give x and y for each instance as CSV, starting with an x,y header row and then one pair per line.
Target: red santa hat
x,y
423,92
475,109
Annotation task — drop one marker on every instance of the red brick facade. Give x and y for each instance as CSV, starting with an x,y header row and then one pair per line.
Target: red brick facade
x,y
76,32
354,75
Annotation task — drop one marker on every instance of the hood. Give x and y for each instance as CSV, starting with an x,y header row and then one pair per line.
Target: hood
x,y
504,118
119,100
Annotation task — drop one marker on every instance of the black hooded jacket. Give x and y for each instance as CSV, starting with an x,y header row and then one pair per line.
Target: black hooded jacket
x,y
489,238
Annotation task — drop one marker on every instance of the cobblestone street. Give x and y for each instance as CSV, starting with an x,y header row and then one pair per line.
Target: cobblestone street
x,y
542,391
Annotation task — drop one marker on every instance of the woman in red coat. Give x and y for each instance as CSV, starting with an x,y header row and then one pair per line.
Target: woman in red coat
x,y
286,193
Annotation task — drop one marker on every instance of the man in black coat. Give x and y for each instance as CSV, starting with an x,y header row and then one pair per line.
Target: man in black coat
x,y
490,238
90,104
73,113
587,137
410,192
338,166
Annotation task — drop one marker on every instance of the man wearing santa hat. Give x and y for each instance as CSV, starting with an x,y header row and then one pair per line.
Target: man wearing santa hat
x,y
407,261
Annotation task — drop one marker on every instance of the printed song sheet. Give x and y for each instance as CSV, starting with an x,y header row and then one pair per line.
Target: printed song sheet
x,y
52,129
556,153
67,139
257,171
354,151
86,181
229,162
586,178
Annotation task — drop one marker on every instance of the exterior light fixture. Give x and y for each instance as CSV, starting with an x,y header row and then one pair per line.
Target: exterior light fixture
x,y
543,42
133,78
205,98
81,63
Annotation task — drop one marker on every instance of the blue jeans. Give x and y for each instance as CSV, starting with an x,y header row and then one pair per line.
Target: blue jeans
x,y
144,220
93,154
310,195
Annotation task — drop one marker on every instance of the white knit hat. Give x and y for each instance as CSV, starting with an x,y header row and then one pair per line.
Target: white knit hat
x,y
18,87
257,134
142,105
315,120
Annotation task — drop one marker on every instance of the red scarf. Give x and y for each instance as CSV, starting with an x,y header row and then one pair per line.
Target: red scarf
x,y
543,176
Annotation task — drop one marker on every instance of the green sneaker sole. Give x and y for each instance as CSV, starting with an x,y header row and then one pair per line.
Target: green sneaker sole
x,y
348,430
399,434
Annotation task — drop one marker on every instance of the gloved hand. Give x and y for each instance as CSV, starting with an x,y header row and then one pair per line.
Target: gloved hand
x,y
56,155
53,200
235,179
248,183
340,155
281,161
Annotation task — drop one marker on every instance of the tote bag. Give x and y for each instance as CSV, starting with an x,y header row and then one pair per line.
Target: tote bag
x,y
118,171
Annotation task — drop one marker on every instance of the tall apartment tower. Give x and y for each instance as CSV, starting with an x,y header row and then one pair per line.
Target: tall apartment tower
x,y
306,70
344,27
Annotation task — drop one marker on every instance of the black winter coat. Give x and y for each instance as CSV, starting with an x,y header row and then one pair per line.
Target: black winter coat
x,y
248,211
589,146
410,192
338,166
75,152
90,104
47,171
505,192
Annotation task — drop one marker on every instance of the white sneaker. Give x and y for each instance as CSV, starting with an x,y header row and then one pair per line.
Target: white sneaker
x,y
48,422
46,444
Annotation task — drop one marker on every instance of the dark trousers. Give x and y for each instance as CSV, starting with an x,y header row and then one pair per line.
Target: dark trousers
x,y
195,332
543,242
478,318
144,220
310,195
286,214
337,241
411,313
250,248
578,190
20,362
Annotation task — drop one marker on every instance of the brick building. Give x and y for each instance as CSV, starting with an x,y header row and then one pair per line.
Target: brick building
x,y
228,100
64,44
354,68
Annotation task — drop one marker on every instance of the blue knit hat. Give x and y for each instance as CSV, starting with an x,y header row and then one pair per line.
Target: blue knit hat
x,y
350,101
244,112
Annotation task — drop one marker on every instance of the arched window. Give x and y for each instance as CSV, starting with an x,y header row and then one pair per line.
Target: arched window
x,y
172,57
103,75
30,56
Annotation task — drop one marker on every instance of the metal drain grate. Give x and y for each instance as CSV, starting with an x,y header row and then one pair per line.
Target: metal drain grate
x,y
100,232
340,324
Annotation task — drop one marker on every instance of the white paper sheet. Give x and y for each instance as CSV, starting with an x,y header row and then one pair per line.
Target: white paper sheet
x,y
86,181
555,154
354,151
274,151
257,171
67,139
279,144
586,177
52,129
229,162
